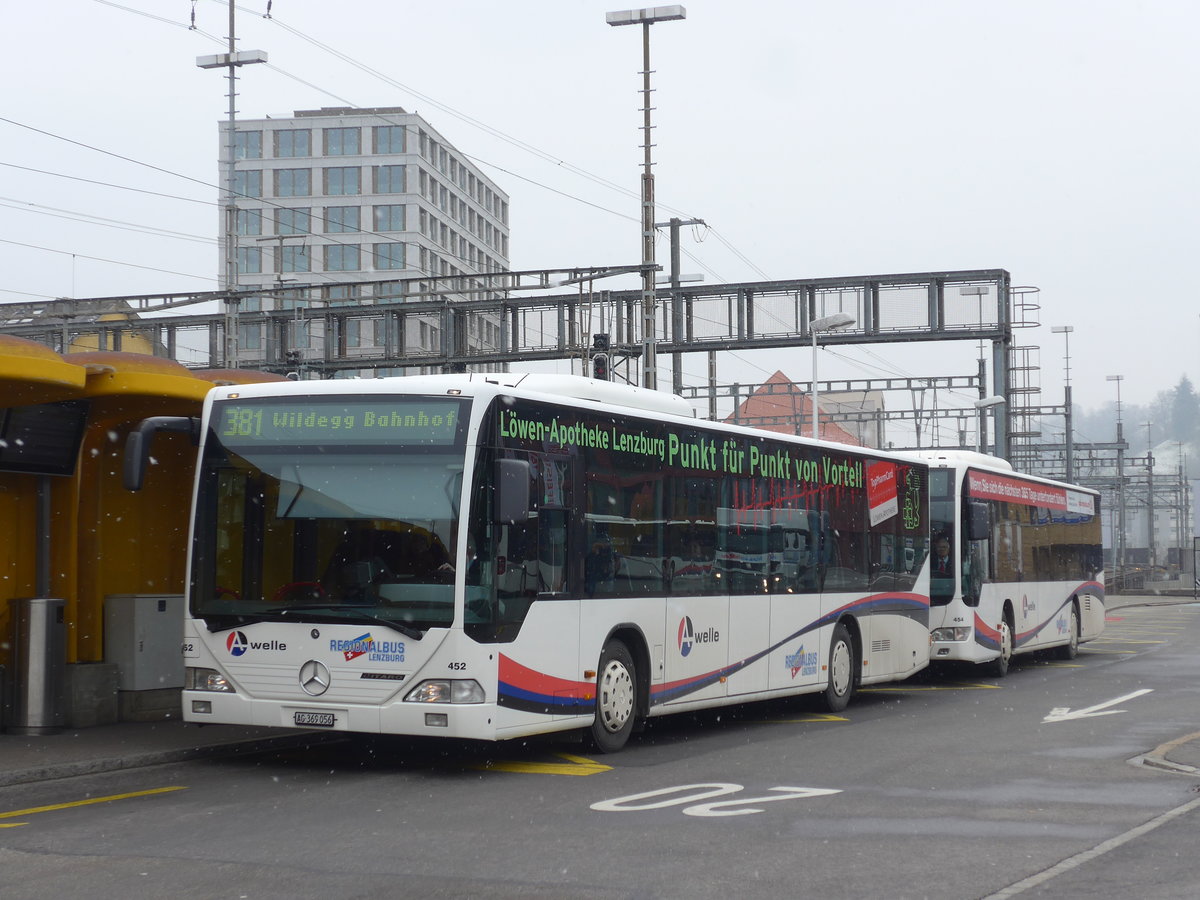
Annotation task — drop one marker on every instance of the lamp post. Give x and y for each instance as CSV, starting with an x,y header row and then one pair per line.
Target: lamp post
x,y
646,18
981,405
1120,548
825,323
1069,437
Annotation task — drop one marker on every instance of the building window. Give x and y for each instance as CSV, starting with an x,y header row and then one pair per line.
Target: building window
x,y
341,219
390,217
293,182
247,183
249,260
389,293
342,295
291,142
249,221
295,259
341,258
342,142
250,336
293,221
247,145
342,180
389,256
389,179
389,138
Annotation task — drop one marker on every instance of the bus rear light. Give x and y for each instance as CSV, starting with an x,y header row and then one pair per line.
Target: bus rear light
x,y
195,679
447,690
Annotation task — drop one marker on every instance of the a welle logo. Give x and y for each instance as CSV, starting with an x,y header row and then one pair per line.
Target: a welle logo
x,y
238,645
689,636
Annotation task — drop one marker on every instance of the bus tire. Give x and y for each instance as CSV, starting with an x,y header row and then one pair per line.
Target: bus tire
x,y
999,666
840,687
1070,649
616,699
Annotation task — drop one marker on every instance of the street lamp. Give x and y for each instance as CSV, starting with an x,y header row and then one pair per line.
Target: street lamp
x,y
825,323
646,18
1069,437
982,404
1120,548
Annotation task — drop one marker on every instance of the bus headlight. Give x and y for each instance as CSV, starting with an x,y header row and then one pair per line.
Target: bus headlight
x,y
951,634
205,680
447,690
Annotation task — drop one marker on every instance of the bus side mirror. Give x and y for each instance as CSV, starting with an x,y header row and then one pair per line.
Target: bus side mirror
x,y
137,445
979,521
512,491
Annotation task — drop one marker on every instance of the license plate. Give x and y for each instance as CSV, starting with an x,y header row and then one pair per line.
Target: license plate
x,y
319,719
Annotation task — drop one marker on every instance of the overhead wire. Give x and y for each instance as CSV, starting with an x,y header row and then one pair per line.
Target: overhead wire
x,y
88,219
105,259
474,122
523,145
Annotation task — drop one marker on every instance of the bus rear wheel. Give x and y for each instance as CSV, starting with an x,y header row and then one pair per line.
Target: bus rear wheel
x,y
1070,649
840,687
616,698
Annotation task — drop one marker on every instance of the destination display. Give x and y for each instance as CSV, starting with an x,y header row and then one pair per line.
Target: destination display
x,y
409,421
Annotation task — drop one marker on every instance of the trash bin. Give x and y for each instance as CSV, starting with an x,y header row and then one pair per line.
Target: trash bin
x,y
39,666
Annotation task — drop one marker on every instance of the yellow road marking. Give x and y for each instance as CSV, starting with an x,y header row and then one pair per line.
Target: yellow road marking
x,y
955,686
94,800
815,717
574,765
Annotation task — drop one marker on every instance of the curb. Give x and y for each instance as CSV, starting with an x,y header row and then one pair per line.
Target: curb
x,y
1157,758
55,771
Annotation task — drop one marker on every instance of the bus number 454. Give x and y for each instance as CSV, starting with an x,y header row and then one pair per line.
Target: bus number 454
x,y
690,793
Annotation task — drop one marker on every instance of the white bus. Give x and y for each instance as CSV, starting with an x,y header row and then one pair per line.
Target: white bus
x,y
492,556
1025,567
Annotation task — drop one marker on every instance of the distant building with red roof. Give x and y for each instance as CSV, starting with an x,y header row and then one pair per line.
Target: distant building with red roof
x,y
779,405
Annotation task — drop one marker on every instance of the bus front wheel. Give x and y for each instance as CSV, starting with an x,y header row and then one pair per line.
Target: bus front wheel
x,y
840,687
999,666
616,682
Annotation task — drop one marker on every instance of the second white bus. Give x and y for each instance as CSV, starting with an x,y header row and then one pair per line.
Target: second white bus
x,y
1026,567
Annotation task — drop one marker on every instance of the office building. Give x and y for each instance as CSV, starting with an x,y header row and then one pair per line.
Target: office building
x,y
338,198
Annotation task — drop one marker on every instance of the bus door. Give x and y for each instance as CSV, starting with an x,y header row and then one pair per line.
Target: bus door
x,y
531,568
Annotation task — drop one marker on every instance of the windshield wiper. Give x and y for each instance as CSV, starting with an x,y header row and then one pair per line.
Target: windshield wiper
x,y
339,612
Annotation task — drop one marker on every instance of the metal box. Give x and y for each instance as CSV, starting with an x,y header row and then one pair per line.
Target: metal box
x,y
142,633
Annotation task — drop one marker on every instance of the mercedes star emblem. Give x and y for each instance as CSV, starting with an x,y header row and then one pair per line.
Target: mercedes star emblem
x,y
314,678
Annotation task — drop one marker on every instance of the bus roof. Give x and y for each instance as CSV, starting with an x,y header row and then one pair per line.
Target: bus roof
x,y
476,383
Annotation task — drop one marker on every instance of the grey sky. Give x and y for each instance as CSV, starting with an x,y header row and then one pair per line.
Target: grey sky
x,y
1055,138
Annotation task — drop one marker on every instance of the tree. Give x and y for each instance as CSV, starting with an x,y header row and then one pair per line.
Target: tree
x,y
1184,412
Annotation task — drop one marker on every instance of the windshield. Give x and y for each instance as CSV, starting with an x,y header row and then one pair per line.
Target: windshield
x,y
319,526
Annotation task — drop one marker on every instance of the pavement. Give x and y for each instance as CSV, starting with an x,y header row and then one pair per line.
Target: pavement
x,y
130,745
